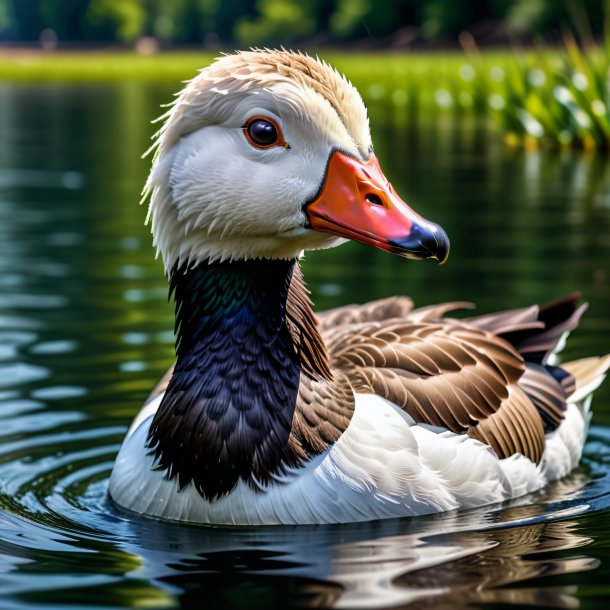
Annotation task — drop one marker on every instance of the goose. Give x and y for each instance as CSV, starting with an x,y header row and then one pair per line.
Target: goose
x,y
272,415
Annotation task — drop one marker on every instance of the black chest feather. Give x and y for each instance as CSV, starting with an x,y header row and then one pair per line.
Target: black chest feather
x,y
228,409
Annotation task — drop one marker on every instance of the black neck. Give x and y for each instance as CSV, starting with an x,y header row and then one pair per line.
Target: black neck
x,y
237,296
227,412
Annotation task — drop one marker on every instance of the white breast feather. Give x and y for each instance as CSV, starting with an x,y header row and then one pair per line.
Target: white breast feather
x,y
383,466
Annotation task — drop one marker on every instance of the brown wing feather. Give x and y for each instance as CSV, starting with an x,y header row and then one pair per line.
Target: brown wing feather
x,y
399,308
382,309
508,321
446,374
546,393
433,313
516,427
322,413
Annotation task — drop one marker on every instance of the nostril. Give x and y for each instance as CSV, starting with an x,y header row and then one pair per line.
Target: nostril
x,y
374,199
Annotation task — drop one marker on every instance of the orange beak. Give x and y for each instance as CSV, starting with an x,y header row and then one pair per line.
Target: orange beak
x,y
357,201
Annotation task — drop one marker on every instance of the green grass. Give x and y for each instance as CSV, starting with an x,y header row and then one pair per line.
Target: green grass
x,y
544,97
26,66
34,66
559,98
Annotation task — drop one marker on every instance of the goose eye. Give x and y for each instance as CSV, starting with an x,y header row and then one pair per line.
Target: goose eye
x,y
264,133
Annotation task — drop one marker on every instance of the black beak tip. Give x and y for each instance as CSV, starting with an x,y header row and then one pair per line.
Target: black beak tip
x,y
427,240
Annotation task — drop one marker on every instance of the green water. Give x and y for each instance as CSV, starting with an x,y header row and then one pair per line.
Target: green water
x,y
85,332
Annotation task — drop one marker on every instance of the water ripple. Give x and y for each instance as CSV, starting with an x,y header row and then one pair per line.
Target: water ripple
x,y
19,373
56,502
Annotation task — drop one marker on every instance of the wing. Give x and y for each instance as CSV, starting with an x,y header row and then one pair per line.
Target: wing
x,y
383,309
444,373
391,308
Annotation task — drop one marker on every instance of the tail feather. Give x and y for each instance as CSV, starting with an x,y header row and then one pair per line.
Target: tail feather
x,y
558,317
538,334
588,374
508,322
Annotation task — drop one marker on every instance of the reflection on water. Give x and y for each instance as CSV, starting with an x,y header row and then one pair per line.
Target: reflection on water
x,y
85,331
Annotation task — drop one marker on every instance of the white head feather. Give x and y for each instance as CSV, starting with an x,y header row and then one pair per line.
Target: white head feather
x,y
215,196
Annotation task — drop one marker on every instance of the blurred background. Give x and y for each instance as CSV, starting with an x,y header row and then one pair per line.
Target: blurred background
x,y
348,23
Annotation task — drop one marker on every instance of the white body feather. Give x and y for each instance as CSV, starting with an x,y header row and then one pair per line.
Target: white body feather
x,y
383,466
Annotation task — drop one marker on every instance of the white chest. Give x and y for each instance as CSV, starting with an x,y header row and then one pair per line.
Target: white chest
x,y
382,466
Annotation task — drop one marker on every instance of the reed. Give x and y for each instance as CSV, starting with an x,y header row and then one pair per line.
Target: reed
x,y
557,98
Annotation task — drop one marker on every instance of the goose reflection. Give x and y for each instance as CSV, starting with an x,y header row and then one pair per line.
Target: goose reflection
x,y
449,560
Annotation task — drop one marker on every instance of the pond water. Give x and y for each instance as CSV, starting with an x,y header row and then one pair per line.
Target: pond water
x,y
85,332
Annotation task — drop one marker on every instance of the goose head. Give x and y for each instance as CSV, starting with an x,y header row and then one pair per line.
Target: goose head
x,y
265,154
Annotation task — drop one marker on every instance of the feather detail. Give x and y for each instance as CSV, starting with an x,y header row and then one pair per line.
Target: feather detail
x,y
588,374
547,394
465,375
382,309
443,374
304,328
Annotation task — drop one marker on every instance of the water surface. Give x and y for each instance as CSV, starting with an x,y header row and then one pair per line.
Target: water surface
x,y
85,332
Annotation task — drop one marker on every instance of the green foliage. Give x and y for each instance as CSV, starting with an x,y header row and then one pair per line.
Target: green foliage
x,y
278,21
171,68
444,18
126,17
544,98
4,14
527,17
69,19
274,22
348,16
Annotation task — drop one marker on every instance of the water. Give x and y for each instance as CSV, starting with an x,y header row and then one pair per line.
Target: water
x,y
85,332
